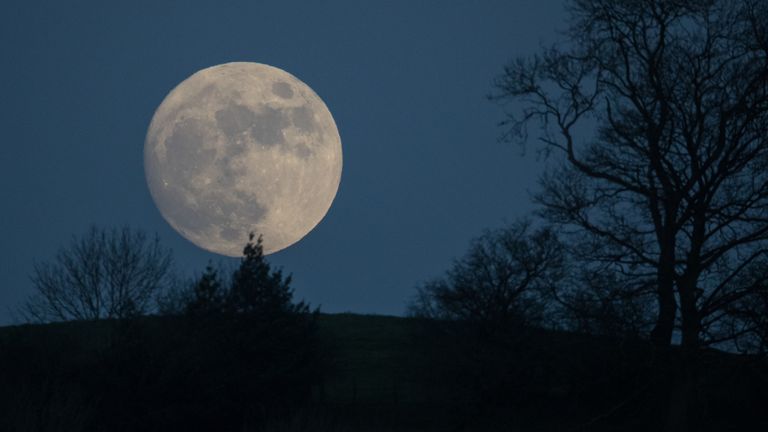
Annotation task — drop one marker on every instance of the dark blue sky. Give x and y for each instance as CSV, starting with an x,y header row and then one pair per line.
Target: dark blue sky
x,y
405,81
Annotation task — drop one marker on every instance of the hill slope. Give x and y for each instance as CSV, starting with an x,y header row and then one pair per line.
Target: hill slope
x,y
384,373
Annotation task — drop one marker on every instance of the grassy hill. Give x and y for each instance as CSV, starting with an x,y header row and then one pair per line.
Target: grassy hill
x,y
370,356
371,379
382,374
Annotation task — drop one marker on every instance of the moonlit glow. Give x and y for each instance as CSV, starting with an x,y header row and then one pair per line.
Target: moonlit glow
x,y
242,147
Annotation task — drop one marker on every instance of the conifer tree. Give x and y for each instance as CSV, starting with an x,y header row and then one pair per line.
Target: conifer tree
x,y
208,295
257,289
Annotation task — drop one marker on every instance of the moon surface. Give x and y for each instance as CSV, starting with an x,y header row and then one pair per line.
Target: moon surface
x,y
239,148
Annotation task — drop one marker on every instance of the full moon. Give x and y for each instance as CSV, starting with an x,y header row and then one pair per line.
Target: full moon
x,y
240,148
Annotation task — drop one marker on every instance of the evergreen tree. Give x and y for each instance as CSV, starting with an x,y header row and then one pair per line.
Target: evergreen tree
x,y
257,289
208,295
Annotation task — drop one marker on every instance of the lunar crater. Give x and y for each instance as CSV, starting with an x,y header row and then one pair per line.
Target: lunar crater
x,y
303,119
268,126
282,89
235,119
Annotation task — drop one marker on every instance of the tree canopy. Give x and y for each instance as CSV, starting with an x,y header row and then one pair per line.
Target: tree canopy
x,y
105,273
671,189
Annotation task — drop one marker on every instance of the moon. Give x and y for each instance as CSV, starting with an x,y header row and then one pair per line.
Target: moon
x,y
239,148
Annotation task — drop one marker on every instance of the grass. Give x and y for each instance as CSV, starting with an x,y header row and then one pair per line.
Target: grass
x,y
378,378
370,356
372,380
372,359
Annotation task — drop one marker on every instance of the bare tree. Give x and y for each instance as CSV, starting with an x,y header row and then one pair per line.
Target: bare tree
x,y
745,322
103,274
481,320
501,280
673,183
599,301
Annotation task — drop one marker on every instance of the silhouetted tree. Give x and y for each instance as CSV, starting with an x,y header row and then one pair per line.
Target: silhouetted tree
x,y
673,183
606,303
480,318
501,280
103,274
745,321
208,294
270,339
257,289
228,356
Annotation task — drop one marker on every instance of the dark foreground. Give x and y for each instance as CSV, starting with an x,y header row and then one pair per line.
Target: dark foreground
x,y
360,373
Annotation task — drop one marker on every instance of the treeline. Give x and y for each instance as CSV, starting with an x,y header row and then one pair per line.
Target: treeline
x,y
508,337
225,353
527,337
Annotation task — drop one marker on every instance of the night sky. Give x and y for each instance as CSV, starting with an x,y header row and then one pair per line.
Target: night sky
x,y
406,82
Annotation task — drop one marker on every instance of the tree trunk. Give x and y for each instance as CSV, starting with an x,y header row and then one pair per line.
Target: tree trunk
x,y
666,368
683,406
691,325
661,335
